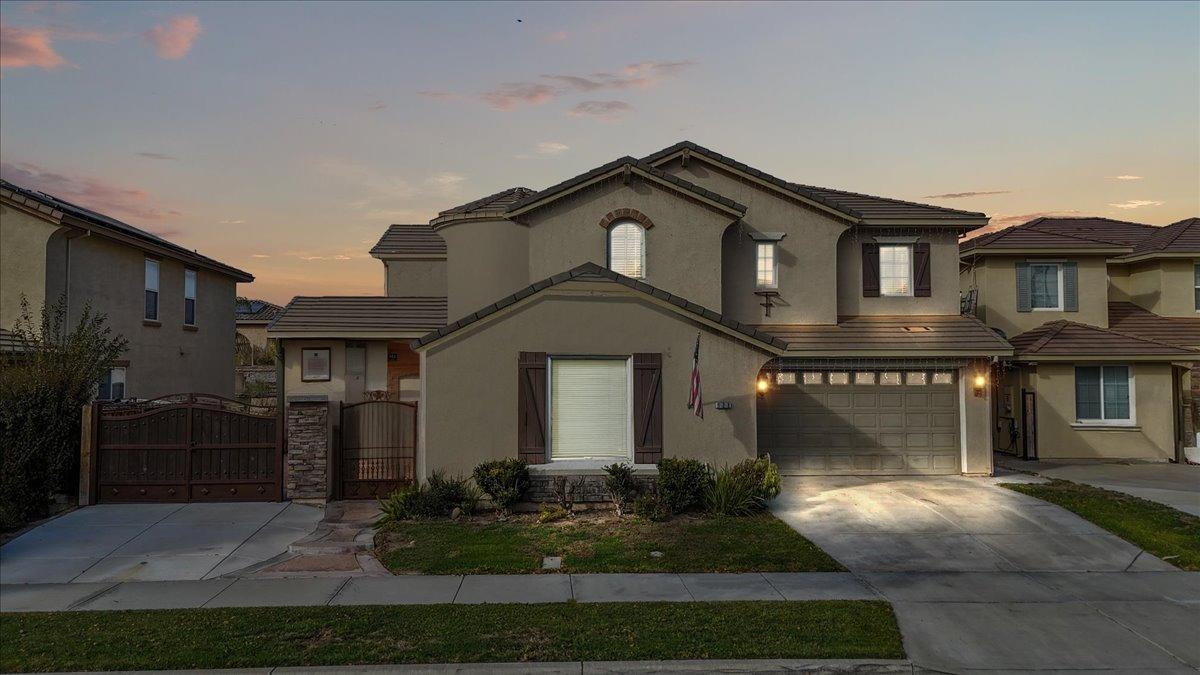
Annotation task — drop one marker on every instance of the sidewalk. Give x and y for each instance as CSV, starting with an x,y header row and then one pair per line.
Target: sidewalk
x,y
1174,485
424,589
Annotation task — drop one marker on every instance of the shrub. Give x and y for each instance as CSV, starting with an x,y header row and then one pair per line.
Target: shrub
x,y
409,502
454,492
762,473
681,482
46,378
620,485
503,480
564,491
551,513
742,489
652,507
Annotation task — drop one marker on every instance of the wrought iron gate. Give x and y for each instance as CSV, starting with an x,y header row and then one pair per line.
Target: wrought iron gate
x,y
378,450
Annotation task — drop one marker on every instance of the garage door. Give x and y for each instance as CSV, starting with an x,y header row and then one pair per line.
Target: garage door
x,y
864,422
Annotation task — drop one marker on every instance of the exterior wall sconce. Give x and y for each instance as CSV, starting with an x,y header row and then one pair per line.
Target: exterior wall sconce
x,y
979,383
763,385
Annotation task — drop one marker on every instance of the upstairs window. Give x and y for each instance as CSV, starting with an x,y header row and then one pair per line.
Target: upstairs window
x,y
627,249
767,266
112,385
151,290
895,270
1045,290
189,297
1197,272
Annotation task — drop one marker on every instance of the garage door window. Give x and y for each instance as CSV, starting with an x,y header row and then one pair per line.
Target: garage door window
x,y
864,378
785,378
917,378
590,409
1103,395
812,378
943,378
889,378
839,378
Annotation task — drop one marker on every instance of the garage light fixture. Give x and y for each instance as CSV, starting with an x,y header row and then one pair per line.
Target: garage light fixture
x,y
763,385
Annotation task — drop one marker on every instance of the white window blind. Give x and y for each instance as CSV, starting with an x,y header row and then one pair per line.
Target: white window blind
x,y
895,270
627,249
766,274
589,409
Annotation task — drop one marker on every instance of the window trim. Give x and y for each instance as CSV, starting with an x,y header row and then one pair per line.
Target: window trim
x,y
773,247
1058,266
1130,421
124,383
629,432
329,357
911,272
188,271
608,235
156,290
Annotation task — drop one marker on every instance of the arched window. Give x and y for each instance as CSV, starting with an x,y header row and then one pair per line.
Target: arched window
x,y
627,249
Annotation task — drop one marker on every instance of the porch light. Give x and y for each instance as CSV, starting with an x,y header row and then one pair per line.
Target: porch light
x,y
980,384
763,385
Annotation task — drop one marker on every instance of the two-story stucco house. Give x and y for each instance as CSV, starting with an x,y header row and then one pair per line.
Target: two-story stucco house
x,y
1104,317
173,305
560,326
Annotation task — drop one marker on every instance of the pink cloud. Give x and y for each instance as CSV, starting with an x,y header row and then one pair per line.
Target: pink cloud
x,y
173,39
607,111
437,95
1004,221
28,48
643,75
93,193
558,36
511,94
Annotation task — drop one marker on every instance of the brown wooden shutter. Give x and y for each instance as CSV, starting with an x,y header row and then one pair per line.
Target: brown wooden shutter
x,y
870,270
531,407
922,283
647,408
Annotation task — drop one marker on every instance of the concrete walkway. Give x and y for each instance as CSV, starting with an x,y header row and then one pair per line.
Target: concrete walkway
x,y
789,666
1175,485
154,542
431,589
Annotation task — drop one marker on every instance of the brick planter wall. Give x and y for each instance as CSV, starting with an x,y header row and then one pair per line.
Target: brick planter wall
x,y
541,488
306,465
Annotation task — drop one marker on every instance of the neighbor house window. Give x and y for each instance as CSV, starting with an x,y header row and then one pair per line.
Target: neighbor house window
x,y
767,266
1045,281
627,249
590,409
314,365
112,386
151,290
1197,273
189,297
895,270
1103,394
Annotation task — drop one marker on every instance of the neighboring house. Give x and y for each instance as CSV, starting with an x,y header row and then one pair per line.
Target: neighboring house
x,y
1103,316
828,324
173,305
251,318
255,372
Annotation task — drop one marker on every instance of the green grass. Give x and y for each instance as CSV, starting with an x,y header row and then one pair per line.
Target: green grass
x,y
1163,531
760,543
315,636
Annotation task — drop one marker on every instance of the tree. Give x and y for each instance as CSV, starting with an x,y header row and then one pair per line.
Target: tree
x,y
50,370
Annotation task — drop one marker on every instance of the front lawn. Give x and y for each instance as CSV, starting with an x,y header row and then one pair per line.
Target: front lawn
x,y
600,543
326,636
1165,532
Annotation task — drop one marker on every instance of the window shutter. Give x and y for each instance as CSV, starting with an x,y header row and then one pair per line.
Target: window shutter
x,y
922,282
531,407
1070,287
870,270
1024,288
647,408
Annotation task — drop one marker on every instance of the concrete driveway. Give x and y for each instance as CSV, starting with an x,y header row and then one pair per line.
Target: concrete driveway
x,y
154,542
1176,485
986,579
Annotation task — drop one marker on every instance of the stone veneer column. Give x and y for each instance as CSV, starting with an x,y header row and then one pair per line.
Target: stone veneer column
x,y
309,440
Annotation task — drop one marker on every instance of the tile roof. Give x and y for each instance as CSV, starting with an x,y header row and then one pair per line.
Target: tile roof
x,y
494,202
105,222
334,315
1071,339
1181,237
914,334
417,239
256,311
1064,233
861,207
586,176
1127,317
593,272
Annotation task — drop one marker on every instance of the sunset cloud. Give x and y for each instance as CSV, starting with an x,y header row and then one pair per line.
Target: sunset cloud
x,y
94,193
1004,221
156,155
230,222
643,75
1136,204
173,39
259,255
963,195
558,36
377,106
607,111
28,48
552,148
1127,177
437,95
512,94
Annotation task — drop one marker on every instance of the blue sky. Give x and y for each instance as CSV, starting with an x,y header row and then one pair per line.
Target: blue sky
x,y
284,138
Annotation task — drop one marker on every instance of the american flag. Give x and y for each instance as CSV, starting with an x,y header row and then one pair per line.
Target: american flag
x,y
695,399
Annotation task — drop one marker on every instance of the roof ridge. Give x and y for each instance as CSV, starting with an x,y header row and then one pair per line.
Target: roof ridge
x,y
1053,328
892,199
1072,235
1132,336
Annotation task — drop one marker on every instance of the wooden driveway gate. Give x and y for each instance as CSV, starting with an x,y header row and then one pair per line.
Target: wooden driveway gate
x,y
378,451
186,447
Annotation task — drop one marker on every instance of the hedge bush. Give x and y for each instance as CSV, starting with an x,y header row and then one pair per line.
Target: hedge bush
x,y
681,482
504,481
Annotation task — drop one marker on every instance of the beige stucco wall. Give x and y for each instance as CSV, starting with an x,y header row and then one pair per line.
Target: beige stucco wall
x,y
486,260
976,414
996,276
1163,286
415,277
255,333
807,255
1152,438
683,248
23,238
469,406
335,388
943,261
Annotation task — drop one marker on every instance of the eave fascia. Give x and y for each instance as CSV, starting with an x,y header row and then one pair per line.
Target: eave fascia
x,y
1105,358
344,334
409,256
988,250
965,224
1142,257
897,353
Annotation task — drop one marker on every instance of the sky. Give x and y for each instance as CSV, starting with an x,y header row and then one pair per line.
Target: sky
x,y
284,138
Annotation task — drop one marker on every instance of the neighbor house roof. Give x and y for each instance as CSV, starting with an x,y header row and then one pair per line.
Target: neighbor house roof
x,y
593,272
409,240
616,167
89,219
359,316
1127,317
498,201
256,311
1101,235
1068,340
905,335
1182,237
861,208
